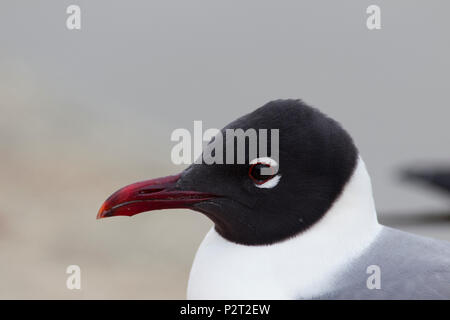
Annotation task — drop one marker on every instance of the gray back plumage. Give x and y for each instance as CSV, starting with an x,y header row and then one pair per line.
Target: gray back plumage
x,y
411,267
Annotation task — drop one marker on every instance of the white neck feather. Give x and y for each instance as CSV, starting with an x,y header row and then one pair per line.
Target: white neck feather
x,y
300,267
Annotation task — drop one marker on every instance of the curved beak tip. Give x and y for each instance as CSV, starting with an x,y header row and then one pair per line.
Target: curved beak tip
x,y
99,215
103,212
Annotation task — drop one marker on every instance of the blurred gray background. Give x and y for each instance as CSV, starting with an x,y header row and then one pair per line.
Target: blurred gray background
x,y
86,112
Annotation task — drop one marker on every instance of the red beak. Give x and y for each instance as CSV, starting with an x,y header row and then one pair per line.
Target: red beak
x,y
150,195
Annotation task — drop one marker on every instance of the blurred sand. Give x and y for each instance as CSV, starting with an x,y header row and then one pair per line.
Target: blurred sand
x,y
52,184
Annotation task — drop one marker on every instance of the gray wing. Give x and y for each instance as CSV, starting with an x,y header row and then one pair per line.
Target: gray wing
x,y
411,267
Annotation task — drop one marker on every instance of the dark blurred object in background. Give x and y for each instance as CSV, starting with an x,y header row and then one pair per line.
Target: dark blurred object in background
x,y
431,177
438,178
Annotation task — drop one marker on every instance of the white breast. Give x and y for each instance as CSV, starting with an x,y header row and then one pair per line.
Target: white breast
x,y
300,267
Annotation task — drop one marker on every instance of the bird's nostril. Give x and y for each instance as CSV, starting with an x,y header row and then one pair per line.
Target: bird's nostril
x,y
148,191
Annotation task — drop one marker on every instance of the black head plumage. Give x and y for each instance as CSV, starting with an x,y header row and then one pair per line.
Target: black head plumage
x,y
316,159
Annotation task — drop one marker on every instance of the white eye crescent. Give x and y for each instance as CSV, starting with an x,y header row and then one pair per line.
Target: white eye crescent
x,y
269,184
261,167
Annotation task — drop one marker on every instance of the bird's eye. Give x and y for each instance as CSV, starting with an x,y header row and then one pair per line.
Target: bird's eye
x,y
264,172
258,174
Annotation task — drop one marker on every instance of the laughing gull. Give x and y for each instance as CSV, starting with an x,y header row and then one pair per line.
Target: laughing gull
x,y
308,230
